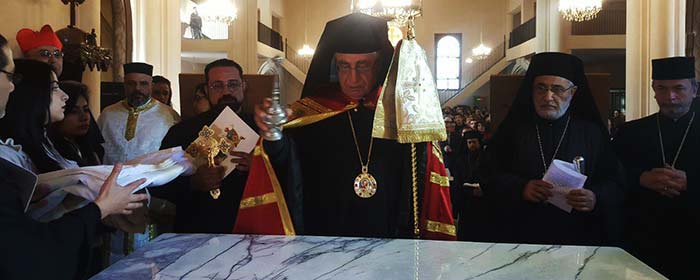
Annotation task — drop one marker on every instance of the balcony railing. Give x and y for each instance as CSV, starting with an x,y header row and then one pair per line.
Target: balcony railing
x,y
269,37
292,56
523,33
608,22
474,71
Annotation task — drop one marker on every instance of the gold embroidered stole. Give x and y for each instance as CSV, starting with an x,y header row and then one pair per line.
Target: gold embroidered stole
x,y
133,118
306,111
408,109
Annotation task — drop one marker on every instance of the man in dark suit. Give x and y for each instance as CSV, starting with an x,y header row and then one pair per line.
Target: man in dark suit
x,y
197,210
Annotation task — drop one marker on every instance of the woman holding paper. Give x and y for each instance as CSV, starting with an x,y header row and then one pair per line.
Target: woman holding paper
x,y
55,250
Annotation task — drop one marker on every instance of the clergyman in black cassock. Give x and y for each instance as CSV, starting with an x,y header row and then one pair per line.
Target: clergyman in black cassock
x,y
196,210
323,157
660,154
331,152
545,123
474,212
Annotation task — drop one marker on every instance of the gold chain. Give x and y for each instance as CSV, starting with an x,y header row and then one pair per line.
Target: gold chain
x,y
414,168
357,146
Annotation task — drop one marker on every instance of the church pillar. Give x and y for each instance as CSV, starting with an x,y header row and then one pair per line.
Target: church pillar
x,y
119,46
87,18
551,28
156,39
655,29
243,34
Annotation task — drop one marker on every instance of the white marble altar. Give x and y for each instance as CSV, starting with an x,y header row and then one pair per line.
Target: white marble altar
x,y
203,256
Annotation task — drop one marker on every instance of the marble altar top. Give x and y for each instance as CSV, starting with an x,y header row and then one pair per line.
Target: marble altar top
x,y
207,256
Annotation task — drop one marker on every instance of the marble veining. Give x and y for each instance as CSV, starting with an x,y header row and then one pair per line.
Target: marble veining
x,y
204,256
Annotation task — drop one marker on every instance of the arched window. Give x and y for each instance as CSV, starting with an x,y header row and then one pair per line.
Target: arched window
x,y
448,66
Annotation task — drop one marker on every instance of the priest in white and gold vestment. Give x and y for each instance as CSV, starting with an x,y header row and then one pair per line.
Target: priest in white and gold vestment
x,y
136,125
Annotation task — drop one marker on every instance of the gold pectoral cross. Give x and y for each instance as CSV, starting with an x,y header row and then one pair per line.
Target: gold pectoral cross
x,y
207,147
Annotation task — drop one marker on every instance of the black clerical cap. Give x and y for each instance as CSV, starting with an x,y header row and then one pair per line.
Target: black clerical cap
x,y
472,135
138,67
673,68
522,111
354,33
357,33
556,64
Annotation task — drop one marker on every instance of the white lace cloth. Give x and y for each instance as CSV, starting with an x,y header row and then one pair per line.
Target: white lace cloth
x,y
84,183
13,153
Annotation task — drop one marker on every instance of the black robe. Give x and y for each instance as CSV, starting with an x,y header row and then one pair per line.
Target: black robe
x,y
455,162
29,249
510,164
321,162
475,213
197,211
662,232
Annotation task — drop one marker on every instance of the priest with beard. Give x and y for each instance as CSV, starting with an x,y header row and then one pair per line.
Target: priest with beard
x,y
135,126
660,154
197,210
552,117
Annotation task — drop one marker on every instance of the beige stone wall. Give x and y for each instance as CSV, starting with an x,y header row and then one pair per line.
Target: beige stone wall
x,y
528,9
466,17
265,12
17,14
277,7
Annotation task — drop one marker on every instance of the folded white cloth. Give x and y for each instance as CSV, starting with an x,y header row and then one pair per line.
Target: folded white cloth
x,y
70,189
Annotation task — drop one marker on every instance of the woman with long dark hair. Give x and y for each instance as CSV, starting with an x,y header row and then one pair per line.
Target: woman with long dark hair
x,y
30,249
77,137
36,102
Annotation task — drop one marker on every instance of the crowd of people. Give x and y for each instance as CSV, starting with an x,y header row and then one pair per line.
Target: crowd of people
x,y
337,178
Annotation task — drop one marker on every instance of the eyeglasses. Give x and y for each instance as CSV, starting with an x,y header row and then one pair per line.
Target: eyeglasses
x,y
556,89
14,77
47,53
220,86
360,67
665,90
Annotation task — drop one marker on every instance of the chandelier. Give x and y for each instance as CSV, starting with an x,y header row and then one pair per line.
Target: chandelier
x,y
481,51
306,51
397,11
580,10
218,11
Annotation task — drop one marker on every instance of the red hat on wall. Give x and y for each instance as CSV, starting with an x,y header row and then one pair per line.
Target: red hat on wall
x,y
29,39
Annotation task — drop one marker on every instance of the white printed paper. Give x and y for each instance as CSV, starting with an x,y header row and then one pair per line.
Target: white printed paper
x,y
564,177
243,138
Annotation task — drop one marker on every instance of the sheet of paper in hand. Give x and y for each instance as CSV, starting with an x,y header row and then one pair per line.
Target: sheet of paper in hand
x,y
70,189
227,132
564,177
